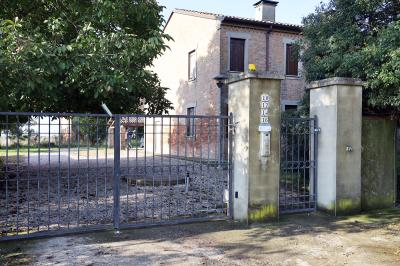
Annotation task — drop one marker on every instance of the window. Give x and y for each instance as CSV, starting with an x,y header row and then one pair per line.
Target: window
x,y
190,122
290,107
192,67
292,60
237,53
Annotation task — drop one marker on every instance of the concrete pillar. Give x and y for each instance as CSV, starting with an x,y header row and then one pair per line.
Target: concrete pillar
x,y
156,137
255,101
110,137
123,138
337,103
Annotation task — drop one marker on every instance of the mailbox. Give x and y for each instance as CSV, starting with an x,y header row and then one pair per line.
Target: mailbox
x,y
265,140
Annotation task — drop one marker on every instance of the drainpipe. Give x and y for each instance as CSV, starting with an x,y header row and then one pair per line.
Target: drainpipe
x,y
267,37
221,82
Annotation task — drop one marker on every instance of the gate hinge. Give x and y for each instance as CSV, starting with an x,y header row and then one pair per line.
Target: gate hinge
x,y
232,126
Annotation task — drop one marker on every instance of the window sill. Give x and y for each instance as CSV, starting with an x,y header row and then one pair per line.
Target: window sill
x,y
235,72
293,77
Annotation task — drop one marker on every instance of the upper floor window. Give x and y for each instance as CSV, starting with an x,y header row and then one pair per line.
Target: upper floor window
x,y
192,67
237,54
292,60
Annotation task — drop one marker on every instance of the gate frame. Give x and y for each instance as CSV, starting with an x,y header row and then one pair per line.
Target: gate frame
x,y
313,146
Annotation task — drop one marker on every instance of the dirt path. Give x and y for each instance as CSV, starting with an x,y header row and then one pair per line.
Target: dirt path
x,y
369,239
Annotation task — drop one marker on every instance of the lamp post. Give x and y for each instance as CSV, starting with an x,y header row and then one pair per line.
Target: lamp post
x,y
220,80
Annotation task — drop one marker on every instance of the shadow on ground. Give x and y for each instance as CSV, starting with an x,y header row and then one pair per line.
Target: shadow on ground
x,y
208,243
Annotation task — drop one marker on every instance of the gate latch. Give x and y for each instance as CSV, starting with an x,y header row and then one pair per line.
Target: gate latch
x,y
317,130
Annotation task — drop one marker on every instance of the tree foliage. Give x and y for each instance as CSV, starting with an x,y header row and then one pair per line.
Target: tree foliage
x,y
89,129
72,55
358,39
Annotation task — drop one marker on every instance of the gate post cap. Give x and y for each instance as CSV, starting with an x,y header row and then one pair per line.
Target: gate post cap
x,y
236,78
335,81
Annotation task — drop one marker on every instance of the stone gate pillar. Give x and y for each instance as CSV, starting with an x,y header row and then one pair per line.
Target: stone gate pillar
x,y
255,104
110,137
337,103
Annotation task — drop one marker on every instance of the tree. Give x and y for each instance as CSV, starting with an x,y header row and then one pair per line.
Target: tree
x,y
358,39
72,55
90,129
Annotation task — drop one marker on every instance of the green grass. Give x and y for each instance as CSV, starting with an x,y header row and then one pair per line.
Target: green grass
x,y
24,151
34,151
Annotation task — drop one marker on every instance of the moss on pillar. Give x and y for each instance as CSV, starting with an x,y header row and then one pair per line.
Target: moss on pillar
x,y
348,206
263,213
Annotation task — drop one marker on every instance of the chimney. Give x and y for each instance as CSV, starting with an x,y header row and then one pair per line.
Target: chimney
x,y
265,10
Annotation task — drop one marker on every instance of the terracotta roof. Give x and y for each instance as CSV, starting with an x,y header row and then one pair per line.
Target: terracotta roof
x,y
198,13
267,2
239,20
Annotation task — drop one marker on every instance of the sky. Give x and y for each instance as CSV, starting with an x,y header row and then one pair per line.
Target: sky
x,y
288,11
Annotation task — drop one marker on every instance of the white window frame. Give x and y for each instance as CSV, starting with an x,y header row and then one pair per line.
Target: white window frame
x,y
194,106
246,38
194,51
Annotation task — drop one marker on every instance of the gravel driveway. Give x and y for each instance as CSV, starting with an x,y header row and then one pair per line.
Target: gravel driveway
x,y
66,193
368,239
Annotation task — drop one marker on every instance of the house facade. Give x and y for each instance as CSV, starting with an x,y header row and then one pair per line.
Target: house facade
x,y
206,45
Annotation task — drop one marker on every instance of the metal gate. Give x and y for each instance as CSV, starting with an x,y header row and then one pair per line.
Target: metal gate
x,y
298,180
65,173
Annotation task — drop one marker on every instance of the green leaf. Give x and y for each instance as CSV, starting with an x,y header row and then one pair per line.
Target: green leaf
x,y
363,46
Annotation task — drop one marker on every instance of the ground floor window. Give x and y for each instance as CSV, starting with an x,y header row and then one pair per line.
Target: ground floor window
x,y
290,107
190,122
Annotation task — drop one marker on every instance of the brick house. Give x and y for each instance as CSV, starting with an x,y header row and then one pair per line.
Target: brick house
x,y
204,46
207,44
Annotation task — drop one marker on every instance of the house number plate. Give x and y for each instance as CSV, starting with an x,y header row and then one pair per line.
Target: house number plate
x,y
264,117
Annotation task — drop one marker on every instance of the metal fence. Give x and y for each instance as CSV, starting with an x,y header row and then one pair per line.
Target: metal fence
x,y
398,165
298,180
62,173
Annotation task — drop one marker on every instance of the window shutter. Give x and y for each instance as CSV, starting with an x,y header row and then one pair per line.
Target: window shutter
x,y
237,54
292,62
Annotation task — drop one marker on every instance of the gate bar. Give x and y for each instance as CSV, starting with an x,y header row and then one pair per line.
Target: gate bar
x,y
315,153
117,171
231,128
